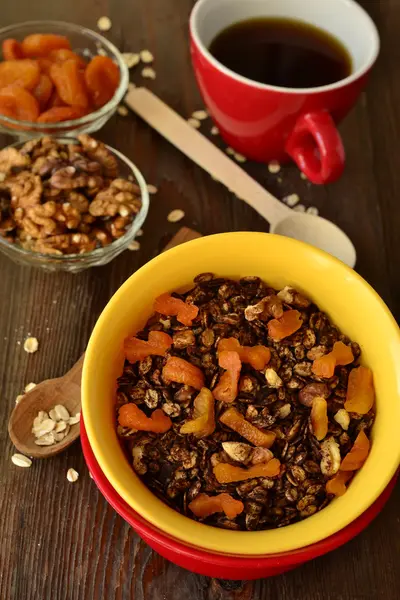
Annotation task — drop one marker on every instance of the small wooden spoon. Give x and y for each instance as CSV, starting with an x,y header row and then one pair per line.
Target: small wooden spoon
x,y
65,390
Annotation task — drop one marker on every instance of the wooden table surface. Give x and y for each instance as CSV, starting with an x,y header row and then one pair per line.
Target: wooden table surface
x,y
62,541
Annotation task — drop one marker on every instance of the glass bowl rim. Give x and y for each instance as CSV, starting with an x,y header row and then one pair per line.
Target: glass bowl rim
x,y
33,126
117,244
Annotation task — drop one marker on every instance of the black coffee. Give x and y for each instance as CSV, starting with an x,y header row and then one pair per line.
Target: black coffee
x,y
282,52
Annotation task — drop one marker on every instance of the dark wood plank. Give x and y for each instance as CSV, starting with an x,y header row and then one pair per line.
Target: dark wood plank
x,y
61,541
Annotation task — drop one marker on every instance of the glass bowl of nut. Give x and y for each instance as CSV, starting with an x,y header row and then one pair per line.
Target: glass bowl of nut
x,y
68,204
57,78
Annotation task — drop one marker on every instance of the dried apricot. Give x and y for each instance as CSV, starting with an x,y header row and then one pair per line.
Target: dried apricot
x,y
203,505
55,100
24,73
44,65
102,79
57,114
17,103
360,396
157,345
227,388
62,54
358,454
131,416
69,82
256,356
319,417
174,307
40,44
12,50
337,485
325,366
43,91
181,371
233,419
203,422
286,325
227,473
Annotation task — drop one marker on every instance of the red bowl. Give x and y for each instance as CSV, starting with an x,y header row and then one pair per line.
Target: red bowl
x,y
219,565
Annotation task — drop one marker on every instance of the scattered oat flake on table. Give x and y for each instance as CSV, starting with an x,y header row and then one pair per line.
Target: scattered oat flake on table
x,y
201,115
175,215
146,56
291,200
131,59
21,461
274,166
139,233
239,157
312,210
300,208
230,151
214,130
135,245
303,176
195,123
31,345
148,73
72,475
104,24
122,111
29,387
152,188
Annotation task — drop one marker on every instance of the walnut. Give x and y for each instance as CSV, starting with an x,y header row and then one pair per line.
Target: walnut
x,y
38,221
119,197
97,151
68,178
310,391
11,157
25,188
238,451
293,297
270,306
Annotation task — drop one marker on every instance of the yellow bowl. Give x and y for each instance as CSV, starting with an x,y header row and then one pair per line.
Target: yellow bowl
x,y
350,302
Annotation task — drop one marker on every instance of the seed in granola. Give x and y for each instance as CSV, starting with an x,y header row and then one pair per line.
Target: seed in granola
x,y
148,73
21,461
104,24
72,475
131,59
274,166
122,110
135,245
146,56
195,123
176,215
214,130
31,345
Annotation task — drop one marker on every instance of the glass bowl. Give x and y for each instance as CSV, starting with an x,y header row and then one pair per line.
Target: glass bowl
x,y
98,257
87,44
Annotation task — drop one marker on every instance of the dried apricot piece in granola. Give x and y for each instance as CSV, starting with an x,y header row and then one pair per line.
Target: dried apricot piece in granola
x,y
69,83
342,353
256,356
131,416
102,79
286,325
157,345
24,73
337,485
40,44
360,395
227,388
203,505
203,422
43,90
325,365
181,371
227,473
174,307
17,103
233,419
358,454
319,417
11,50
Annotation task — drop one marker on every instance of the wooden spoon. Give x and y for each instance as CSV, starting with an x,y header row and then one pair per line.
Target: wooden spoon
x,y
65,390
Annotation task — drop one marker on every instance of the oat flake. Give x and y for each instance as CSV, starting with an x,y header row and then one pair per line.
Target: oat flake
x,y
195,123
146,56
152,189
230,151
31,345
148,73
291,200
214,130
300,208
104,24
239,157
201,115
274,166
303,176
122,111
29,387
72,475
21,461
312,210
139,233
131,59
135,245
18,398
175,215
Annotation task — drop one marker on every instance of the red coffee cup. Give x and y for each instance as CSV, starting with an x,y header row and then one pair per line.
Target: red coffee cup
x,y
266,122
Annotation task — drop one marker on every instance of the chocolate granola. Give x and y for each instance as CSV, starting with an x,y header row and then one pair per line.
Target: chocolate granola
x,y
279,399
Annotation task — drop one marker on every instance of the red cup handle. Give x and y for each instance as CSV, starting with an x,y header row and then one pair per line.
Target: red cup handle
x,y
317,148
